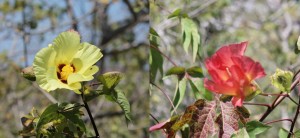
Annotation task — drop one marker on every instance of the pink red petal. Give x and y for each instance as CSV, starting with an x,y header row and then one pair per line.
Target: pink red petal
x,y
237,101
158,126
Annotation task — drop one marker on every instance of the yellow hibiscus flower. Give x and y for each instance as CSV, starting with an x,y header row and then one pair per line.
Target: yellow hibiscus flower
x,y
65,63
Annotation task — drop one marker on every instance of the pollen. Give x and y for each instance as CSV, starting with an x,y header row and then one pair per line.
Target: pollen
x,y
64,72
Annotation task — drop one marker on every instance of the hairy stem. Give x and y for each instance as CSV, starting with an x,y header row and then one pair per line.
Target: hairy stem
x,y
86,106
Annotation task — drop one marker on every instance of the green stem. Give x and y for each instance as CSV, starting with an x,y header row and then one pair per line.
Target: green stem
x,y
90,115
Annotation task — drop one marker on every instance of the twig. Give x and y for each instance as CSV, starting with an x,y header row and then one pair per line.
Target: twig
x,y
71,14
286,95
24,33
280,98
154,118
276,102
157,122
280,120
131,9
151,46
165,95
295,119
259,104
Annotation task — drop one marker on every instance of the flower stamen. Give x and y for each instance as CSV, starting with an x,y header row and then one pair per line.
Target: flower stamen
x,y
64,71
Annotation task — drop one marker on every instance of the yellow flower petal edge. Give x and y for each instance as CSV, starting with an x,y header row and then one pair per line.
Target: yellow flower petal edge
x,y
66,63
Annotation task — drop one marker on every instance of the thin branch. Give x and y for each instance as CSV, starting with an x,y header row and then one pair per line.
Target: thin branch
x,y
71,14
157,122
151,46
24,33
259,104
288,96
275,103
280,120
131,9
295,119
114,52
108,36
169,99
154,118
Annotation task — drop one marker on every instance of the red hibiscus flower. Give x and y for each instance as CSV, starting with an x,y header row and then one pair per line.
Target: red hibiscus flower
x,y
232,73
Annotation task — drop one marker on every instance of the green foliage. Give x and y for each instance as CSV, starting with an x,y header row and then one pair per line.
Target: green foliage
x,y
180,71
283,133
190,36
241,133
61,120
110,79
118,96
255,127
195,72
298,43
155,58
175,13
282,80
179,93
199,91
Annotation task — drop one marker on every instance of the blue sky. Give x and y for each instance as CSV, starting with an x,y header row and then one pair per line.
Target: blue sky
x,y
12,44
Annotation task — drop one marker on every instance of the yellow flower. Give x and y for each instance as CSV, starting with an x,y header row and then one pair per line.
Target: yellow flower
x,y
65,63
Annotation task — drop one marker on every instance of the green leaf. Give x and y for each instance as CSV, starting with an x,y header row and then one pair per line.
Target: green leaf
x,y
195,72
179,93
241,133
176,71
61,119
110,79
256,127
298,43
297,134
49,114
121,99
176,13
190,36
199,91
72,113
155,58
283,133
282,80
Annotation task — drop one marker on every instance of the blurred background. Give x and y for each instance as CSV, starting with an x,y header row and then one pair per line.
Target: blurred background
x,y
118,27
271,27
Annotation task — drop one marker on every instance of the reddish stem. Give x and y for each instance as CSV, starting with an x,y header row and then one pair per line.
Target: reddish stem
x,y
280,120
151,46
259,104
